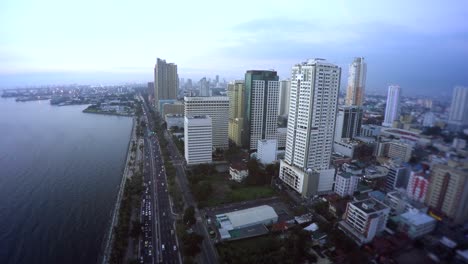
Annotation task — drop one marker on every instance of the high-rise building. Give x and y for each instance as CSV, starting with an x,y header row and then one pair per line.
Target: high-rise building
x,y
448,191
283,100
151,92
356,82
397,177
364,220
197,139
217,108
261,104
417,186
204,87
348,122
235,93
311,125
166,81
392,110
459,108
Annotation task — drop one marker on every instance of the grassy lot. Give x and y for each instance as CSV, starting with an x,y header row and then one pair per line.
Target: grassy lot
x,y
226,191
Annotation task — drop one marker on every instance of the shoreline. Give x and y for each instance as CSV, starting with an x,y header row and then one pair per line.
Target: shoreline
x,y
109,235
106,113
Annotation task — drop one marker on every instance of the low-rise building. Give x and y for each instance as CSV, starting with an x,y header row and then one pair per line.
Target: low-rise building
x,y
234,222
346,184
174,120
400,203
266,151
364,220
238,171
416,224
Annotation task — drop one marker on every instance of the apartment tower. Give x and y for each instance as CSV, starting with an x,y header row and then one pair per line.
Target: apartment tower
x,y
166,81
311,126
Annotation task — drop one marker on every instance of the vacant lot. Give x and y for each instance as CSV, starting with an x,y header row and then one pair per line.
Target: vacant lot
x,y
224,191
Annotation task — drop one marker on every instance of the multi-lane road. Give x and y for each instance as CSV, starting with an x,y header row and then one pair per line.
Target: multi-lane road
x,y
159,243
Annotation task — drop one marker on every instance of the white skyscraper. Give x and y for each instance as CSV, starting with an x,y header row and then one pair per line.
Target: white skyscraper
x,y
217,108
392,111
311,125
283,101
459,107
197,139
356,82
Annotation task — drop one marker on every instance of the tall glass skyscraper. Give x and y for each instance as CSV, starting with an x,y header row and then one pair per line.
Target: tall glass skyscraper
x,y
392,110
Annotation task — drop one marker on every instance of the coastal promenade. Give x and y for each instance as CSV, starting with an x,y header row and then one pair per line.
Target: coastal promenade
x,y
115,214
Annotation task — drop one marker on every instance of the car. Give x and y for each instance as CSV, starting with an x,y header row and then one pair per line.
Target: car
x,y
175,247
162,246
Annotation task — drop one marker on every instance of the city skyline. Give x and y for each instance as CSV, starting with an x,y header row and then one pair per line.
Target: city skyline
x,y
84,43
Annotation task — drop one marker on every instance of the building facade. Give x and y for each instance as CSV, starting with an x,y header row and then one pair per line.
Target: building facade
x,y
459,107
266,151
166,81
346,184
417,187
236,91
198,139
356,82
283,101
364,220
392,110
217,108
311,124
261,107
448,191
348,122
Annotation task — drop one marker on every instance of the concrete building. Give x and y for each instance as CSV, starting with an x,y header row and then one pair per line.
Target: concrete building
x,y
311,125
448,191
392,110
236,91
356,82
281,137
348,122
245,222
397,177
400,203
418,185
151,92
364,220
345,147
176,108
261,114
458,116
416,224
166,81
266,151
204,87
396,150
370,130
198,139
238,171
283,100
217,108
346,184
174,121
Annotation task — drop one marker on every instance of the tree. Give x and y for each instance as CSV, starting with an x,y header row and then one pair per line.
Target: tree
x,y
202,190
189,216
191,244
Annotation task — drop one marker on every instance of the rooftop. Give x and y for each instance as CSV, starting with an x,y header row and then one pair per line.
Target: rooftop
x,y
370,206
417,218
250,215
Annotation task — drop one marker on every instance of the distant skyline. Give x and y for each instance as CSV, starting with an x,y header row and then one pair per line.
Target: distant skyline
x,y
420,45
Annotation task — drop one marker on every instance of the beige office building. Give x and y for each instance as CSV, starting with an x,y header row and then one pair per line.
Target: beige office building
x,y
448,191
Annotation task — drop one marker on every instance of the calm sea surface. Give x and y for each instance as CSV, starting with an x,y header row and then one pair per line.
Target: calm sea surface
x,y
59,175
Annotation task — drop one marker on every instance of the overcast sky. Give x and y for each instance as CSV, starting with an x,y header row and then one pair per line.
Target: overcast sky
x,y
421,45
